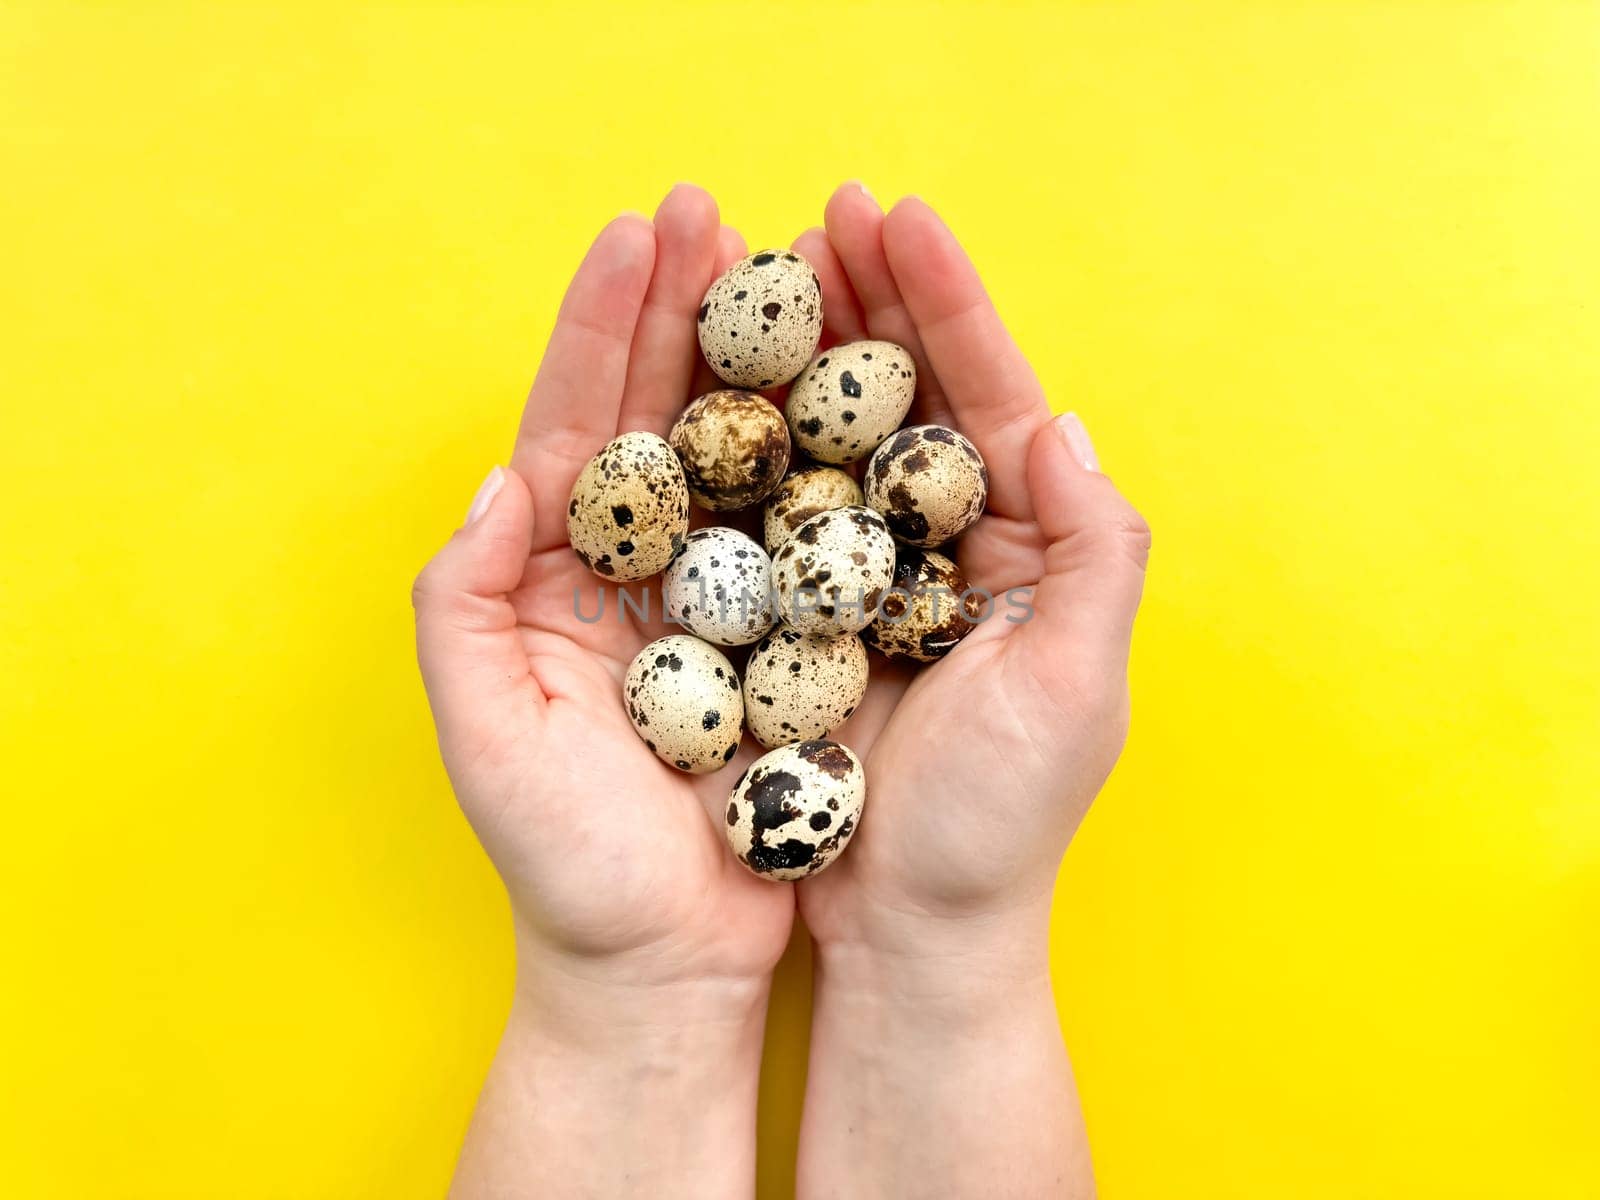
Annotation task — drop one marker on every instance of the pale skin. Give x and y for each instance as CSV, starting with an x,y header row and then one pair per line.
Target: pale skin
x,y
645,951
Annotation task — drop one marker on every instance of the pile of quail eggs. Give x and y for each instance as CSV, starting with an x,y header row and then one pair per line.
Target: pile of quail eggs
x,y
843,563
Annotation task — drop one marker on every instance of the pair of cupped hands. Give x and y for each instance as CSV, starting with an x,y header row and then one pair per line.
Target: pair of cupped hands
x,y
980,767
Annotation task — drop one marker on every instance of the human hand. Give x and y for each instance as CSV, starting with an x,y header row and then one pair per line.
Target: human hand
x,y
637,933
933,1008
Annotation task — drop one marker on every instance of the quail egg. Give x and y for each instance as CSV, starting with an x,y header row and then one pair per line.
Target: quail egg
x,y
926,611
629,508
805,492
799,686
849,398
719,587
793,810
683,698
929,483
734,447
830,575
761,320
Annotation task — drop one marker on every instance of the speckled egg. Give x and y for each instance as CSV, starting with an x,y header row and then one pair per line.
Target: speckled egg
x,y
793,810
734,447
761,320
830,575
719,587
926,611
929,483
683,698
629,509
805,492
849,398
799,686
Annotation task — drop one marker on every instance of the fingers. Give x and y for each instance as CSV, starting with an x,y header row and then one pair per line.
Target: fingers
x,y
855,228
841,313
994,395
472,658
573,407
665,343
1095,561
730,249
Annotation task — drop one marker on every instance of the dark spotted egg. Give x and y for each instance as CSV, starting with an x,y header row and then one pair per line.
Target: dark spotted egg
x,y
734,447
799,686
830,575
793,810
719,587
929,482
683,698
761,320
629,509
849,398
926,611
804,492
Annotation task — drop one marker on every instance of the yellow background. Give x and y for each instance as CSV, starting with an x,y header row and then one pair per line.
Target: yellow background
x,y
1324,283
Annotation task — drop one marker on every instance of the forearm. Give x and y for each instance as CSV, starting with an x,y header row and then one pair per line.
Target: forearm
x,y
940,1076
600,1090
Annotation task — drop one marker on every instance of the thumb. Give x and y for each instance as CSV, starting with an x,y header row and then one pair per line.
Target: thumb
x,y
1095,560
473,663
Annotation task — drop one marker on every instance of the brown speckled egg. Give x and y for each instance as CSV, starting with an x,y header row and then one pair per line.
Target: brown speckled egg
x,y
929,483
734,447
629,509
830,575
798,686
761,320
805,492
926,611
849,398
683,698
793,810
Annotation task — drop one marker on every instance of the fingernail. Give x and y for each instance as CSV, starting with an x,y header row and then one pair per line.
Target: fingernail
x,y
487,491
862,188
1077,439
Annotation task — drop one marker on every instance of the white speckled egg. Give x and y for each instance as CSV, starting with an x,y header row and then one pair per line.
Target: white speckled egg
x,y
719,587
793,810
734,447
761,320
849,398
830,575
926,611
799,686
805,492
629,508
683,698
929,483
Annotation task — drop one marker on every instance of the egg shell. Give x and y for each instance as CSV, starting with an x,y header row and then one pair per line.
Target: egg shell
x,y
794,809
805,492
929,482
629,509
719,587
734,447
926,611
829,576
761,320
799,686
684,700
849,398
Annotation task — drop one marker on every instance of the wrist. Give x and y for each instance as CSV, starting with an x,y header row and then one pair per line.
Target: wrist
x,y
932,957
607,1083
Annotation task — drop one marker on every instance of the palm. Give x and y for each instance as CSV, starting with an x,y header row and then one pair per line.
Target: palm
x,y
637,861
